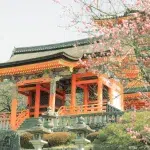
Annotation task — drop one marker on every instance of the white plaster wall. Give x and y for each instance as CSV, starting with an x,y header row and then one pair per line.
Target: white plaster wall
x,y
116,99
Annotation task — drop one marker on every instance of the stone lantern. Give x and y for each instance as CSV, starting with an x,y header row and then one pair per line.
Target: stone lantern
x,y
50,115
81,129
38,132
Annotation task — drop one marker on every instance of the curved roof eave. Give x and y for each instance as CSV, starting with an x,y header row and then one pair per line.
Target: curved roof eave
x,y
61,55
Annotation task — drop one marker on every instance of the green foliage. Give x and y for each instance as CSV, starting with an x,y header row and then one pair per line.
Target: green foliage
x,y
92,136
6,96
53,139
136,119
116,137
24,141
58,138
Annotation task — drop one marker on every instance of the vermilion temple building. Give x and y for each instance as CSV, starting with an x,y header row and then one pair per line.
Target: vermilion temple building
x,y
51,75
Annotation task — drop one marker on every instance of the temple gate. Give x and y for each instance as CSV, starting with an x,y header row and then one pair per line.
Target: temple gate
x,y
51,75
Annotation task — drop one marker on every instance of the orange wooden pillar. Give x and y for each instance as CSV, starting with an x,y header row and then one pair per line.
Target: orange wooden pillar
x,y
13,115
14,103
52,95
100,92
73,91
86,95
37,101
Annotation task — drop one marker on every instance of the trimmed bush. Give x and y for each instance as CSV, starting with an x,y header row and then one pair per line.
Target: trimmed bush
x,y
24,141
58,138
53,139
92,136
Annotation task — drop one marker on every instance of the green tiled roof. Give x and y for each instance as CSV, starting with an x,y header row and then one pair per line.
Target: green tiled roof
x,y
53,47
66,50
39,59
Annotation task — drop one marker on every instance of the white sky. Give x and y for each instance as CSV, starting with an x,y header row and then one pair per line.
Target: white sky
x,y
35,22
30,23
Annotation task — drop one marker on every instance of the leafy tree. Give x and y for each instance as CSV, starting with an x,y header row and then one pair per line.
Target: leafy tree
x,y
133,130
6,96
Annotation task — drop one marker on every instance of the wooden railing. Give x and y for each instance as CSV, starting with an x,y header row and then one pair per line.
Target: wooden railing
x,y
82,109
94,120
21,117
41,111
41,106
5,121
94,117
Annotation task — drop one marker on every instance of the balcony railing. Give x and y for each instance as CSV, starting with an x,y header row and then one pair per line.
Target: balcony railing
x,y
82,109
4,121
95,120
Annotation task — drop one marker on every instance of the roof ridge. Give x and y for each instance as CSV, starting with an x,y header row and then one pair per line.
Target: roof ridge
x,y
55,46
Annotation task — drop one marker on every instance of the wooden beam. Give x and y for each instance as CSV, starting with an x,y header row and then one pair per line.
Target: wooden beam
x,y
37,67
26,89
81,86
44,89
93,102
87,74
60,97
34,81
86,81
23,93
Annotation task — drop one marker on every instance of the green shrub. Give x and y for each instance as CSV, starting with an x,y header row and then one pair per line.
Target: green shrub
x,y
139,121
116,137
58,138
92,136
53,139
24,141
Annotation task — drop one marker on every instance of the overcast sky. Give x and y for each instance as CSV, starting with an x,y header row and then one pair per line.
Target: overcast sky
x,y
36,22
31,22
